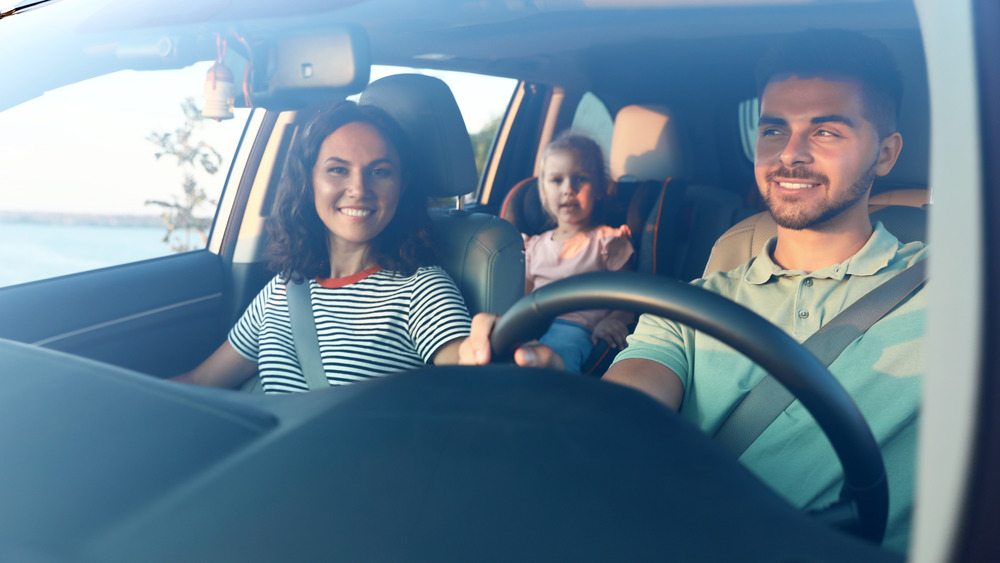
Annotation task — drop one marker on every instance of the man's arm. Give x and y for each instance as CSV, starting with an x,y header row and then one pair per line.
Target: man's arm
x,y
652,378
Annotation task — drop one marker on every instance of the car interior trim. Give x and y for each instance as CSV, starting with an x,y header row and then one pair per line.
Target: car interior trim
x,y
499,143
224,213
948,411
555,103
251,228
174,307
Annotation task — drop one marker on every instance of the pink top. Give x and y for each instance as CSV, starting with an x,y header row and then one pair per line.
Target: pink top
x,y
598,250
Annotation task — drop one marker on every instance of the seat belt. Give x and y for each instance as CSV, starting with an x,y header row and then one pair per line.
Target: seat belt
x,y
304,334
769,398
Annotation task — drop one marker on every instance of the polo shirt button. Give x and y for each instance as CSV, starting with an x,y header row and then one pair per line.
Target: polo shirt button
x,y
808,282
803,314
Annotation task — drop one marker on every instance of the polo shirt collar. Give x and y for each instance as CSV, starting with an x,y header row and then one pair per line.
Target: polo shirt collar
x,y
868,261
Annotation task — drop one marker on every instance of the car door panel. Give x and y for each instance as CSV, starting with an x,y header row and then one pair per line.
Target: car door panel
x,y
157,316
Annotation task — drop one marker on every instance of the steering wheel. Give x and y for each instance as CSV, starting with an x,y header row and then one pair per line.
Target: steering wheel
x,y
863,507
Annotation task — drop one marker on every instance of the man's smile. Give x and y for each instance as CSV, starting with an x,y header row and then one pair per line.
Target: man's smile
x,y
789,185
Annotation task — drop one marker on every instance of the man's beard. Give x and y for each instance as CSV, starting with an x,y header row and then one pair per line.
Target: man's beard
x,y
795,217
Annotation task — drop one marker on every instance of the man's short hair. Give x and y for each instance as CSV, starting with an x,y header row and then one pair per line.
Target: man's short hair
x,y
840,54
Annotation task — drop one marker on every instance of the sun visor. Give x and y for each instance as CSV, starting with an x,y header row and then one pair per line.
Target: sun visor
x,y
296,71
308,69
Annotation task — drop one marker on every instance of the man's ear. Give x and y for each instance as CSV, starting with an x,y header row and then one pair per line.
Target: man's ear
x,y
888,152
404,182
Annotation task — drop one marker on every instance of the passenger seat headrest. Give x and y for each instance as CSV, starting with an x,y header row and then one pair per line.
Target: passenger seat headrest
x,y
426,109
644,144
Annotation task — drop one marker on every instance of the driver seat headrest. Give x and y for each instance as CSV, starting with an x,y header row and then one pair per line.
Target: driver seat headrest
x,y
483,254
426,109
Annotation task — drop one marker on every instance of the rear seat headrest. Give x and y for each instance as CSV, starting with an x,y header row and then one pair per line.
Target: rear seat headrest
x,y
427,111
644,144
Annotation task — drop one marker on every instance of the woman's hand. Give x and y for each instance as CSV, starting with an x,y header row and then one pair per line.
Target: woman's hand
x,y
476,351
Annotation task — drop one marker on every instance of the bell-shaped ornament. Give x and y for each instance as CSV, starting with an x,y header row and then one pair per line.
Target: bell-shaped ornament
x,y
220,93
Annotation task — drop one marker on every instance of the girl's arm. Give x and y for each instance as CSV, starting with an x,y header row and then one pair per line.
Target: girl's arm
x,y
225,368
618,255
613,329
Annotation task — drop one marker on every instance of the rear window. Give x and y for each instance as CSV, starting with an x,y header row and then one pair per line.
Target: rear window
x,y
748,117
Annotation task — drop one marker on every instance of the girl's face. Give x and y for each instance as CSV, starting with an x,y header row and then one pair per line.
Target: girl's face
x,y
357,182
565,189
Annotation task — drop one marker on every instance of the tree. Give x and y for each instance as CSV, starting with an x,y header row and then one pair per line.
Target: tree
x,y
192,154
482,140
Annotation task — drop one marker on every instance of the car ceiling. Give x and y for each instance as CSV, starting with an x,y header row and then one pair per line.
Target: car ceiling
x,y
547,41
505,37
679,55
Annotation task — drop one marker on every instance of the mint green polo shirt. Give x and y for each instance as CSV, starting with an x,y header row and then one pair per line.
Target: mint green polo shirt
x,y
881,370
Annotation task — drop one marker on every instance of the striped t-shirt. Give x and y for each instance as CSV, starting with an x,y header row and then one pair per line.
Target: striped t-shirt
x,y
370,324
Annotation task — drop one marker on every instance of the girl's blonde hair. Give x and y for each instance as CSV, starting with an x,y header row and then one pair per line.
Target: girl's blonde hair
x,y
588,153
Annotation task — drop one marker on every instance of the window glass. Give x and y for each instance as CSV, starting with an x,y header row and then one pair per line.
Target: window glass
x,y
483,101
749,116
111,170
593,119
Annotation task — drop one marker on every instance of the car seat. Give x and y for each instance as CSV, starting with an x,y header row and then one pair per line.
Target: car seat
x,y
684,218
902,212
635,185
674,222
482,253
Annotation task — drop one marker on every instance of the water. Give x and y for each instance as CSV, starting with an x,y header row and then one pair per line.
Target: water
x,y
31,251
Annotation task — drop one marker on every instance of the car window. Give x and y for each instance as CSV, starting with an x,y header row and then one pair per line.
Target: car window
x,y
593,119
483,101
748,115
111,170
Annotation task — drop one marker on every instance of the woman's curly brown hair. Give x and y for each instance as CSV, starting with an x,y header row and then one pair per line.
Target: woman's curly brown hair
x,y
298,245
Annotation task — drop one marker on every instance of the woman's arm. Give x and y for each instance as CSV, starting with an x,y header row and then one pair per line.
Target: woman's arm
x,y
225,368
447,353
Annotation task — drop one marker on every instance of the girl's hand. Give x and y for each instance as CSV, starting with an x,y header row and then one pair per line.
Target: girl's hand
x,y
612,330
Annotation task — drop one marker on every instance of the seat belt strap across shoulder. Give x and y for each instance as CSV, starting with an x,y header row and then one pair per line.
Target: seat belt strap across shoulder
x,y
768,399
304,334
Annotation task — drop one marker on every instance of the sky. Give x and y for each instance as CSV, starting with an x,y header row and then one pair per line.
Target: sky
x,y
83,148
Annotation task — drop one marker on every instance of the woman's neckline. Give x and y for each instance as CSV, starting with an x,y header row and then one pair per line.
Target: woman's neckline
x,y
332,283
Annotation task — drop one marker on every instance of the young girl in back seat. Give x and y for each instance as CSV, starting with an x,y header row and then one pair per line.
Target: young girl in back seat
x,y
572,185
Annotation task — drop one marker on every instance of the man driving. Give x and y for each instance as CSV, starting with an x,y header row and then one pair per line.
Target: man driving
x,y
828,108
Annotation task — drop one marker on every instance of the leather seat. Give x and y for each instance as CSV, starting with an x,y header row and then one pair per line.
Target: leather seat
x,y
903,212
482,253
674,223
685,218
637,181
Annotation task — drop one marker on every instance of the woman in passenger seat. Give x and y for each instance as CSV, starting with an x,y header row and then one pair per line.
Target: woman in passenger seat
x,y
379,305
572,185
